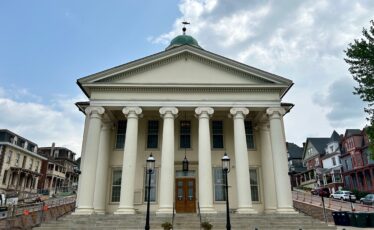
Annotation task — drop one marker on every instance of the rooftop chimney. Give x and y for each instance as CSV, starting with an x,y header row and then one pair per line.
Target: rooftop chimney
x,y
52,149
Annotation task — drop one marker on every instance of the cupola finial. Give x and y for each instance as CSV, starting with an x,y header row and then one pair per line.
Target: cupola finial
x,y
184,27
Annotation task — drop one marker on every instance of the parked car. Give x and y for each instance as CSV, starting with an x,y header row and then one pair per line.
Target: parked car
x,y
325,192
368,199
343,195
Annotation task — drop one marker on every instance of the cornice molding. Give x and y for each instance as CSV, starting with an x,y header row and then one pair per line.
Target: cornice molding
x,y
184,103
186,89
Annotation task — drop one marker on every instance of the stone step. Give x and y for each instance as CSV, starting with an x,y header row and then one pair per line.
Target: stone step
x,y
188,221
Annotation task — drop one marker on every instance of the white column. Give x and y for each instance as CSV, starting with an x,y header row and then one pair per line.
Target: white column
x,y
270,199
282,182
167,161
86,124
126,204
102,168
241,161
205,161
87,185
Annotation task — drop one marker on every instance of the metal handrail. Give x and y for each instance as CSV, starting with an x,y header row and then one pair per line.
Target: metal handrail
x,y
172,220
198,212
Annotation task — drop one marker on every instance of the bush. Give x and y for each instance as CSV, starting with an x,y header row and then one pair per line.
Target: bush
x,y
359,194
167,225
206,225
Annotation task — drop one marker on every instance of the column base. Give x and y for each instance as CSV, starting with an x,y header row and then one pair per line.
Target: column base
x,y
286,211
207,210
164,211
270,211
246,210
83,211
99,211
124,211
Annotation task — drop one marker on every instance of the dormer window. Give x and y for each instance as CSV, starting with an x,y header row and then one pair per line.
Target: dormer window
x,y
14,140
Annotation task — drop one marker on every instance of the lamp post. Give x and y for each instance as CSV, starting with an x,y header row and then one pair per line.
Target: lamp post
x,y
150,169
226,170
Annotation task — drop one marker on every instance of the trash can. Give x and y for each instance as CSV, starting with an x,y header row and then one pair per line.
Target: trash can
x,y
361,219
344,219
336,217
371,219
352,218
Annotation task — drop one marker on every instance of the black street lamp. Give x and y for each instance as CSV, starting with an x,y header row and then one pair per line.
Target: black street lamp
x,y
226,170
150,169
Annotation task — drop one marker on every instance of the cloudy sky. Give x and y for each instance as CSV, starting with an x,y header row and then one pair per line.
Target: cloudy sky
x,y
46,45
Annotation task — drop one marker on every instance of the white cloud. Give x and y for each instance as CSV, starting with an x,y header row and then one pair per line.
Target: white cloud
x,y
300,40
58,122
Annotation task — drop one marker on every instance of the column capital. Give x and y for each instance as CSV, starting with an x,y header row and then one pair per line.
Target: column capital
x,y
94,111
239,112
132,112
275,112
168,112
204,111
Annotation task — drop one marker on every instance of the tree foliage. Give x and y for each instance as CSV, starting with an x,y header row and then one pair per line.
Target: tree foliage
x,y
360,57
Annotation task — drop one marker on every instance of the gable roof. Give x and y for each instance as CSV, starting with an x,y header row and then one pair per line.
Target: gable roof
x,y
335,137
102,78
319,144
352,132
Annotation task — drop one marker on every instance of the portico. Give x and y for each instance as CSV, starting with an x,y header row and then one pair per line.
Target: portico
x,y
181,102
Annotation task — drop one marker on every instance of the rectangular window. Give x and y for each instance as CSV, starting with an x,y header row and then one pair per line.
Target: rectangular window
x,y
17,158
255,191
31,162
185,134
152,194
217,132
249,134
5,176
121,134
37,166
116,185
152,140
333,161
219,185
9,157
24,162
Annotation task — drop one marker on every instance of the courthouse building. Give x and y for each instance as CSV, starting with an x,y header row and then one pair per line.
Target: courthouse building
x,y
184,102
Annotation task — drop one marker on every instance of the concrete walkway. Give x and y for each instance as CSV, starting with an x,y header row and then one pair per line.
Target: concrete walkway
x,y
352,228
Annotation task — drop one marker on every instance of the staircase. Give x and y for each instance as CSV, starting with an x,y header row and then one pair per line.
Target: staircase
x,y
188,222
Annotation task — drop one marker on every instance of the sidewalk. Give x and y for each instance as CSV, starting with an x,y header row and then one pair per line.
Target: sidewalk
x,y
351,228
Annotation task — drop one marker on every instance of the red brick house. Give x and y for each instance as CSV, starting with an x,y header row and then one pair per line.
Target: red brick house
x,y
358,167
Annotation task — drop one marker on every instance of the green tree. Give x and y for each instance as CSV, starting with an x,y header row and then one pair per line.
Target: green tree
x,y
360,57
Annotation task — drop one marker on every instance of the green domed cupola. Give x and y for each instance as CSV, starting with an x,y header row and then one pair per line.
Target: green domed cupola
x,y
184,39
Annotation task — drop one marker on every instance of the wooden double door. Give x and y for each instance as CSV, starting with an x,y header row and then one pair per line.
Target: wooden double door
x,y
185,195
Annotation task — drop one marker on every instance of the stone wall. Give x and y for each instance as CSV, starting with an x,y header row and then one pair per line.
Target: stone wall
x,y
313,211
32,219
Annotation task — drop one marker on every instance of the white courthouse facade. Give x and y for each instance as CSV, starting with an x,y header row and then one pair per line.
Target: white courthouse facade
x,y
184,102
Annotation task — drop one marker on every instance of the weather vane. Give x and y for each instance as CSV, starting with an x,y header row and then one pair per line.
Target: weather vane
x,y
184,27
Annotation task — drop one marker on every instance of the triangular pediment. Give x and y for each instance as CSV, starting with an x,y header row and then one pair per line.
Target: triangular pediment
x,y
184,65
